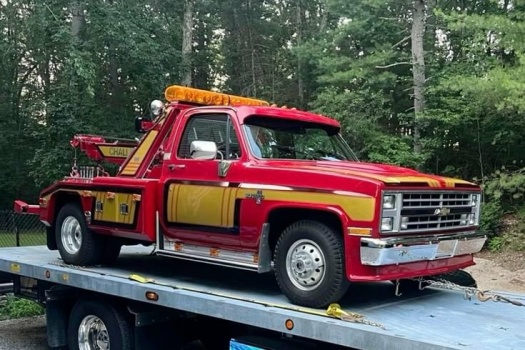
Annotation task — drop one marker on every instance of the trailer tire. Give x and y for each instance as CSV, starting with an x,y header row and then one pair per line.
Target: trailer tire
x,y
115,328
309,264
77,244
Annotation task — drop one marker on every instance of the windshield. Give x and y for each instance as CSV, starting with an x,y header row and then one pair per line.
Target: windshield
x,y
275,138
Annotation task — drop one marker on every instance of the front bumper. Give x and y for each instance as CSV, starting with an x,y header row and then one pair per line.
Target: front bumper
x,y
401,250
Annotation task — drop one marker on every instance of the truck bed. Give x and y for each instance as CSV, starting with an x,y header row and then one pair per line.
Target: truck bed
x,y
434,319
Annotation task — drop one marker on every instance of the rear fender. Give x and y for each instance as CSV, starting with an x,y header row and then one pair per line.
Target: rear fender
x,y
52,205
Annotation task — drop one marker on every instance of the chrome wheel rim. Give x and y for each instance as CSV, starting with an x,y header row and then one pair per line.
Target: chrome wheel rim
x,y
71,235
93,334
305,264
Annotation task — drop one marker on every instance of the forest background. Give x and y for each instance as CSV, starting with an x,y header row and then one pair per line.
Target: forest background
x,y
436,85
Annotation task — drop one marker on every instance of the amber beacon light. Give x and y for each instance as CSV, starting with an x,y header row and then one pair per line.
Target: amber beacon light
x,y
206,97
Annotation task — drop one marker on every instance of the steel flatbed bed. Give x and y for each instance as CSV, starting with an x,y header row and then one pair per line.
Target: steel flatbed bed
x,y
432,319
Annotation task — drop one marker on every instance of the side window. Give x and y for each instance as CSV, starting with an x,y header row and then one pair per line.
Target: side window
x,y
210,127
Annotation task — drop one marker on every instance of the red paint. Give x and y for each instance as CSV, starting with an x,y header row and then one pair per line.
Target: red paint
x,y
309,175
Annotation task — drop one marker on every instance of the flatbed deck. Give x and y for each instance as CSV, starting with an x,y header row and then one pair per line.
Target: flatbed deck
x,y
434,319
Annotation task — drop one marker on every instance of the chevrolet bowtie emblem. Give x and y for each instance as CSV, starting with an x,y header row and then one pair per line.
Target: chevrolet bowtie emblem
x,y
442,211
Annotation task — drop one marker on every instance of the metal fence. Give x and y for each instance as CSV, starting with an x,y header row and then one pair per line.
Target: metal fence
x,y
18,230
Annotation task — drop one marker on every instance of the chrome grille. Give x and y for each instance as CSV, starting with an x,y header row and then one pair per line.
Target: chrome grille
x,y
433,211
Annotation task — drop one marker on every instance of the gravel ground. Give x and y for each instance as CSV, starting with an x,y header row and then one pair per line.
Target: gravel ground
x,y
495,273
504,272
23,334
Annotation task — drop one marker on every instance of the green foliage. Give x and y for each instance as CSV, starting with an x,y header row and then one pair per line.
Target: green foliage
x,y
503,215
347,60
491,217
14,307
506,187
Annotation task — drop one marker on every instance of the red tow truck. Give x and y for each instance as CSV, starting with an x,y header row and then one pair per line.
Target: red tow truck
x,y
233,181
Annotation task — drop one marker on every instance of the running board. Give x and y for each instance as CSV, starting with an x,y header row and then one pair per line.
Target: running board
x,y
259,262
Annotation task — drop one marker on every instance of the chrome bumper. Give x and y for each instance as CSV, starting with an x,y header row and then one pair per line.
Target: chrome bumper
x,y
401,250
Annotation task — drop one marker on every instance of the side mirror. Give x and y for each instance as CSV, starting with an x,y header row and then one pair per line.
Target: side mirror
x,y
203,150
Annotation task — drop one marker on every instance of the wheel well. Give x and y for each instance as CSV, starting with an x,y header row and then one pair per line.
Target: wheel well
x,y
281,218
61,199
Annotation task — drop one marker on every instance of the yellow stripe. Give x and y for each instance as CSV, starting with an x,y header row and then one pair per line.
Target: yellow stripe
x,y
357,208
226,207
138,157
169,204
174,197
200,204
386,179
451,182
231,206
116,151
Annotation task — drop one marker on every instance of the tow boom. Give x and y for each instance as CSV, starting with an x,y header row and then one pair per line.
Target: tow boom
x,y
101,148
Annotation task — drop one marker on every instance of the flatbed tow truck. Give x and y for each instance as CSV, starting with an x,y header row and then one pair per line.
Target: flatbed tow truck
x,y
245,311
325,250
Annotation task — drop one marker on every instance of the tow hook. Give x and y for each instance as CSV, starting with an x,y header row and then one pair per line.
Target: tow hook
x,y
397,293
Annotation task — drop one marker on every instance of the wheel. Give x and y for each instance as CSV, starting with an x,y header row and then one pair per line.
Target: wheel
x,y
110,251
309,264
76,243
99,325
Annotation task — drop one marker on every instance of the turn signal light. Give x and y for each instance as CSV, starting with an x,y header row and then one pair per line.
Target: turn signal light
x,y
152,296
289,324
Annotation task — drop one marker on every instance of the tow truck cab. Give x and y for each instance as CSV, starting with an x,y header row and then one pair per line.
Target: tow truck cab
x,y
232,181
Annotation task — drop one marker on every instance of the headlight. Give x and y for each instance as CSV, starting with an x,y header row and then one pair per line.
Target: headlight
x,y
387,224
389,202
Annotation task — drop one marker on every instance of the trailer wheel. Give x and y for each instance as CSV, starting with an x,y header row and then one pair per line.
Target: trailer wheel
x,y
77,244
99,325
309,264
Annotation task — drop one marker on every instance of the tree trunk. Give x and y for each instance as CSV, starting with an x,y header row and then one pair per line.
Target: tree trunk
x,y
187,40
77,20
418,70
300,83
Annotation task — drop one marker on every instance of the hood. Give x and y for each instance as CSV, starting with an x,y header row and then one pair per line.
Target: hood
x,y
387,174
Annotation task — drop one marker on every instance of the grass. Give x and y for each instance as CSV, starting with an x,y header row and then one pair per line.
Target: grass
x,y
27,238
14,307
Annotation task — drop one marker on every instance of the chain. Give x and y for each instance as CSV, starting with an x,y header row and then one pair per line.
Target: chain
x,y
361,320
470,292
74,168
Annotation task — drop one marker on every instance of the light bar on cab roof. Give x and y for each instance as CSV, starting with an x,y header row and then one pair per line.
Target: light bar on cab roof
x,y
206,97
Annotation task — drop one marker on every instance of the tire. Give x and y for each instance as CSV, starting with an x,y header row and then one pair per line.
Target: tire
x,y
115,329
298,247
77,244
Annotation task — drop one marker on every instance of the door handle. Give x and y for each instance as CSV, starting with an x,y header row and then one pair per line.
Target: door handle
x,y
176,166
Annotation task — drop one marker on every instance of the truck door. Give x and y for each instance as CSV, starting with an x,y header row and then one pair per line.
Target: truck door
x,y
199,203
